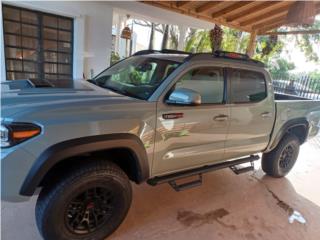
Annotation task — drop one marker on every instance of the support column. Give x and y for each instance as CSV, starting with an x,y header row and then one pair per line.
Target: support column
x,y
252,44
79,47
182,37
120,25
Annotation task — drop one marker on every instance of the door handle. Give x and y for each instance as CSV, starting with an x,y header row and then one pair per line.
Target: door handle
x,y
172,115
266,114
221,118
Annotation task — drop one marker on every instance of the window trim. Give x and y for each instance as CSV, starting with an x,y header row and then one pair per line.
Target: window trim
x,y
229,99
40,49
225,86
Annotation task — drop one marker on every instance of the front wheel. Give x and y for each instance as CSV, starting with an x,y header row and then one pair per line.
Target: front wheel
x,y
281,160
88,203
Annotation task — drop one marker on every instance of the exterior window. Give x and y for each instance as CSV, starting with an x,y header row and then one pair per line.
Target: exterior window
x,y
38,46
247,86
207,81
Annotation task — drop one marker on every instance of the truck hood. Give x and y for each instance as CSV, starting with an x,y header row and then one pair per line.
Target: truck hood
x,y
15,101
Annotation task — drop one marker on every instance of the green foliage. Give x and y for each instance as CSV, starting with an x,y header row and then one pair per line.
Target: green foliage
x,y
306,46
262,43
114,57
315,75
234,40
198,41
267,49
307,42
280,68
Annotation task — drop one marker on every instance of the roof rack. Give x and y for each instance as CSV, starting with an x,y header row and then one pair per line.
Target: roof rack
x,y
237,56
168,51
218,54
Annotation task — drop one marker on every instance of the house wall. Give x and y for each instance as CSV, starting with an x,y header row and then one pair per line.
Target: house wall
x,y
92,32
93,28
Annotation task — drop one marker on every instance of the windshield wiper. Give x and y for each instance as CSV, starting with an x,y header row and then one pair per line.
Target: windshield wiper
x,y
122,92
92,81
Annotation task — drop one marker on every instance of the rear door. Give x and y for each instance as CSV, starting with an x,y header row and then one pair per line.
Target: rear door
x,y
252,112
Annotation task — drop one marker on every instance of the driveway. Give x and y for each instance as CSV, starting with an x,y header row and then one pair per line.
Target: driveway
x,y
248,206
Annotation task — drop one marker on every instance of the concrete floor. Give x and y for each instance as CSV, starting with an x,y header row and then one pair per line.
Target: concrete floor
x,y
248,206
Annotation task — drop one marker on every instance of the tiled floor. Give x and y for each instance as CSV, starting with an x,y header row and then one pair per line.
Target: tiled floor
x,y
249,206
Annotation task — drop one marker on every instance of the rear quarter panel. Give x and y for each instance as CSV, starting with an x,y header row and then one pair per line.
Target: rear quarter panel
x,y
287,110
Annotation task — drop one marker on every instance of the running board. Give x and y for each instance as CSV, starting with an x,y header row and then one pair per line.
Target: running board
x,y
238,169
171,178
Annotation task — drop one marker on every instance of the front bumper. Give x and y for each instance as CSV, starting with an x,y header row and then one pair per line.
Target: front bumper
x,y
15,165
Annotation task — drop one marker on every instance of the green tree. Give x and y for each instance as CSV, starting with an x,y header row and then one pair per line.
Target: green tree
x,y
198,41
234,40
280,68
306,42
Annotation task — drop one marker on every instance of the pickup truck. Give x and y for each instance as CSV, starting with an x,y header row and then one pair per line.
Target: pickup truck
x,y
155,117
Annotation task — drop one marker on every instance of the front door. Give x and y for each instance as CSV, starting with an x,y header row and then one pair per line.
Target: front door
x,y
252,113
191,136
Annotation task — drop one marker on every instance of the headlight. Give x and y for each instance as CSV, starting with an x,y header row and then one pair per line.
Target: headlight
x,y
4,136
14,133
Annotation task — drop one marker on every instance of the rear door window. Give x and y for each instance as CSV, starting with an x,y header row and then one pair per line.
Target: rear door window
x,y
246,86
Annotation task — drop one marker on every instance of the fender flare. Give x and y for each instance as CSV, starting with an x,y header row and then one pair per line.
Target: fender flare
x,y
285,129
78,146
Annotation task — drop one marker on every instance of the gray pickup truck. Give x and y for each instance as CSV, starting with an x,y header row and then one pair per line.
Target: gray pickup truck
x,y
155,117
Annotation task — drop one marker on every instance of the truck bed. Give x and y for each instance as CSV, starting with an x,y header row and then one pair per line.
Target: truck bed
x,y
290,107
282,96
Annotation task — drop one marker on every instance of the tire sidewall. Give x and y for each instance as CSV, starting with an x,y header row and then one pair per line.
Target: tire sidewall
x,y
288,140
54,220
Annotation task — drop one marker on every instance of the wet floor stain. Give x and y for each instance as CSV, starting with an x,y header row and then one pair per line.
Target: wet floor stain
x,y
283,205
190,218
286,207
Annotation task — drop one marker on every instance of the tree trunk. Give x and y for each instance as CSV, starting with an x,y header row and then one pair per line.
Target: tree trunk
x,y
151,36
240,37
173,38
165,37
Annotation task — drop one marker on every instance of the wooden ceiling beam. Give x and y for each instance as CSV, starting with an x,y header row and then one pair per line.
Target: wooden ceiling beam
x,y
186,12
207,6
270,27
268,22
181,3
265,15
293,32
253,9
275,25
231,8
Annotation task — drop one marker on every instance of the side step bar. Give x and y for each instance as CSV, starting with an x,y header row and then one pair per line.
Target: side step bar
x,y
171,178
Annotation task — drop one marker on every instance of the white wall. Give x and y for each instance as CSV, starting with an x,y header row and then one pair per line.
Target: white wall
x,y
92,31
93,27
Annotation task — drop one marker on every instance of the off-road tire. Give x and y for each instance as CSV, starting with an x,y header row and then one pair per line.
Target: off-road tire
x,y
53,204
273,163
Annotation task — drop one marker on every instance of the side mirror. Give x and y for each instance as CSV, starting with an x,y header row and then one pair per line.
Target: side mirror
x,y
184,96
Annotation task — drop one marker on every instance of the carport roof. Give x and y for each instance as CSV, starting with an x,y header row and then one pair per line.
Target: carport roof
x,y
249,16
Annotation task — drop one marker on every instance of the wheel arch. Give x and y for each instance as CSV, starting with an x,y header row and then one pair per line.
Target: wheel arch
x,y
68,150
298,127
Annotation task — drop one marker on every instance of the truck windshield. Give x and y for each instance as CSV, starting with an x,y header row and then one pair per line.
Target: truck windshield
x,y
136,76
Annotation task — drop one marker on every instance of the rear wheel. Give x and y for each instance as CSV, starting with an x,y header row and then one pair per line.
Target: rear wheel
x,y
281,160
89,203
